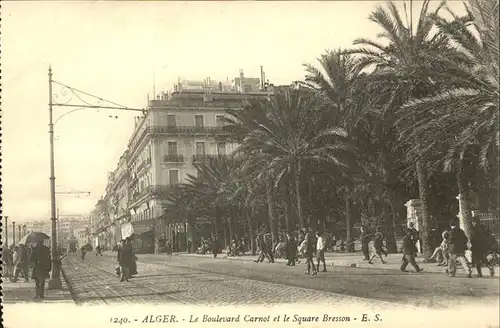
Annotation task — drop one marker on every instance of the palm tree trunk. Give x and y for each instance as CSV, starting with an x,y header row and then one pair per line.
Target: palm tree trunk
x,y
391,233
348,224
230,230
271,211
296,177
424,203
251,232
465,206
191,233
288,206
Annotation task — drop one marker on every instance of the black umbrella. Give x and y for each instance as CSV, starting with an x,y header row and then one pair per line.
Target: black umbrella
x,y
33,236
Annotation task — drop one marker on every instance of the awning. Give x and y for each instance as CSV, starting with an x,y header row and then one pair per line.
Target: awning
x,y
134,228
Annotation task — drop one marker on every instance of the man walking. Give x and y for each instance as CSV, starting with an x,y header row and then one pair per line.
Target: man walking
x,y
479,241
310,244
409,251
377,247
98,251
263,249
8,264
415,236
320,251
42,264
457,247
21,264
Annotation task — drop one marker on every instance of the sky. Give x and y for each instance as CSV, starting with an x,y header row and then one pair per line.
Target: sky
x,y
122,51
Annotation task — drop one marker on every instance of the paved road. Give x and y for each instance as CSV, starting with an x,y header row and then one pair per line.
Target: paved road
x,y
205,281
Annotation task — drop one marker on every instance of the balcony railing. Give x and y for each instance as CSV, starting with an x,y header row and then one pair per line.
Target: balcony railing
x,y
186,129
173,158
199,158
154,190
179,130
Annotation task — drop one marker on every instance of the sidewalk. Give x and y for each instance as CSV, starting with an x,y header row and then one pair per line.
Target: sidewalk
x,y
21,292
354,260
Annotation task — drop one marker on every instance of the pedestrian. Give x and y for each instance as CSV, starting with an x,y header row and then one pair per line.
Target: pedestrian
x,y
8,264
377,247
21,263
215,246
98,251
409,251
480,246
364,243
263,249
269,247
415,236
83,252
457,247
42,264
125,259
320,251
291,249
310,245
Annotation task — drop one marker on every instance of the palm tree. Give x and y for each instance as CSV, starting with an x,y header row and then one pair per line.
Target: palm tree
x,y
464,115
345,86
396,65
290,129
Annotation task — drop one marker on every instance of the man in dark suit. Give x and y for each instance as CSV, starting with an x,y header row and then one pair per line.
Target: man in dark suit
x,y
42,264
457,247
409,250
480,245
125,259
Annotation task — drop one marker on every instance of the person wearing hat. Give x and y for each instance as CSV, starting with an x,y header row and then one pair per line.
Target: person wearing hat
x,y
409,251
457,246
42,264
479,242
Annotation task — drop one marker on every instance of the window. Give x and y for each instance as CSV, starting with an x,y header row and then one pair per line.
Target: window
x,y
248,88
198,121
172,148
173,177
221,149
219,120
171,122
200,148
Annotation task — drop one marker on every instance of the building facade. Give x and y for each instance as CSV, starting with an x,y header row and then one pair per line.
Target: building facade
x,y
178,130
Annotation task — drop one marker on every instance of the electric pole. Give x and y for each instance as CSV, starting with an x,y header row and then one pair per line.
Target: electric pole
x,y
6,231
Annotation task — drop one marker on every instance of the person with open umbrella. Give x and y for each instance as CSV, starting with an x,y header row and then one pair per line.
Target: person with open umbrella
x,y
33,237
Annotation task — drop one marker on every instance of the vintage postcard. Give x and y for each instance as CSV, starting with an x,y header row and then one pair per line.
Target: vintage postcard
x,y
250,163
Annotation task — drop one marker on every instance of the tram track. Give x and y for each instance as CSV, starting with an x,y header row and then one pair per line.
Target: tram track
x,y
103,280
97,286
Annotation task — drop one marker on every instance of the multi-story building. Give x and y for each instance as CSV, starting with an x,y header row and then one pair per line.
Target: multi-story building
x,y
177,131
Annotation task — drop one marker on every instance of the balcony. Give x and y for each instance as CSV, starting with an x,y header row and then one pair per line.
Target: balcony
x,y
199,158
187,130
143,164
179,130
173,158
157,191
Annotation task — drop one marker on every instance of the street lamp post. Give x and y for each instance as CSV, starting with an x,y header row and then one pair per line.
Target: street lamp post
x,y
19,232
6,231
14,233
55,279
